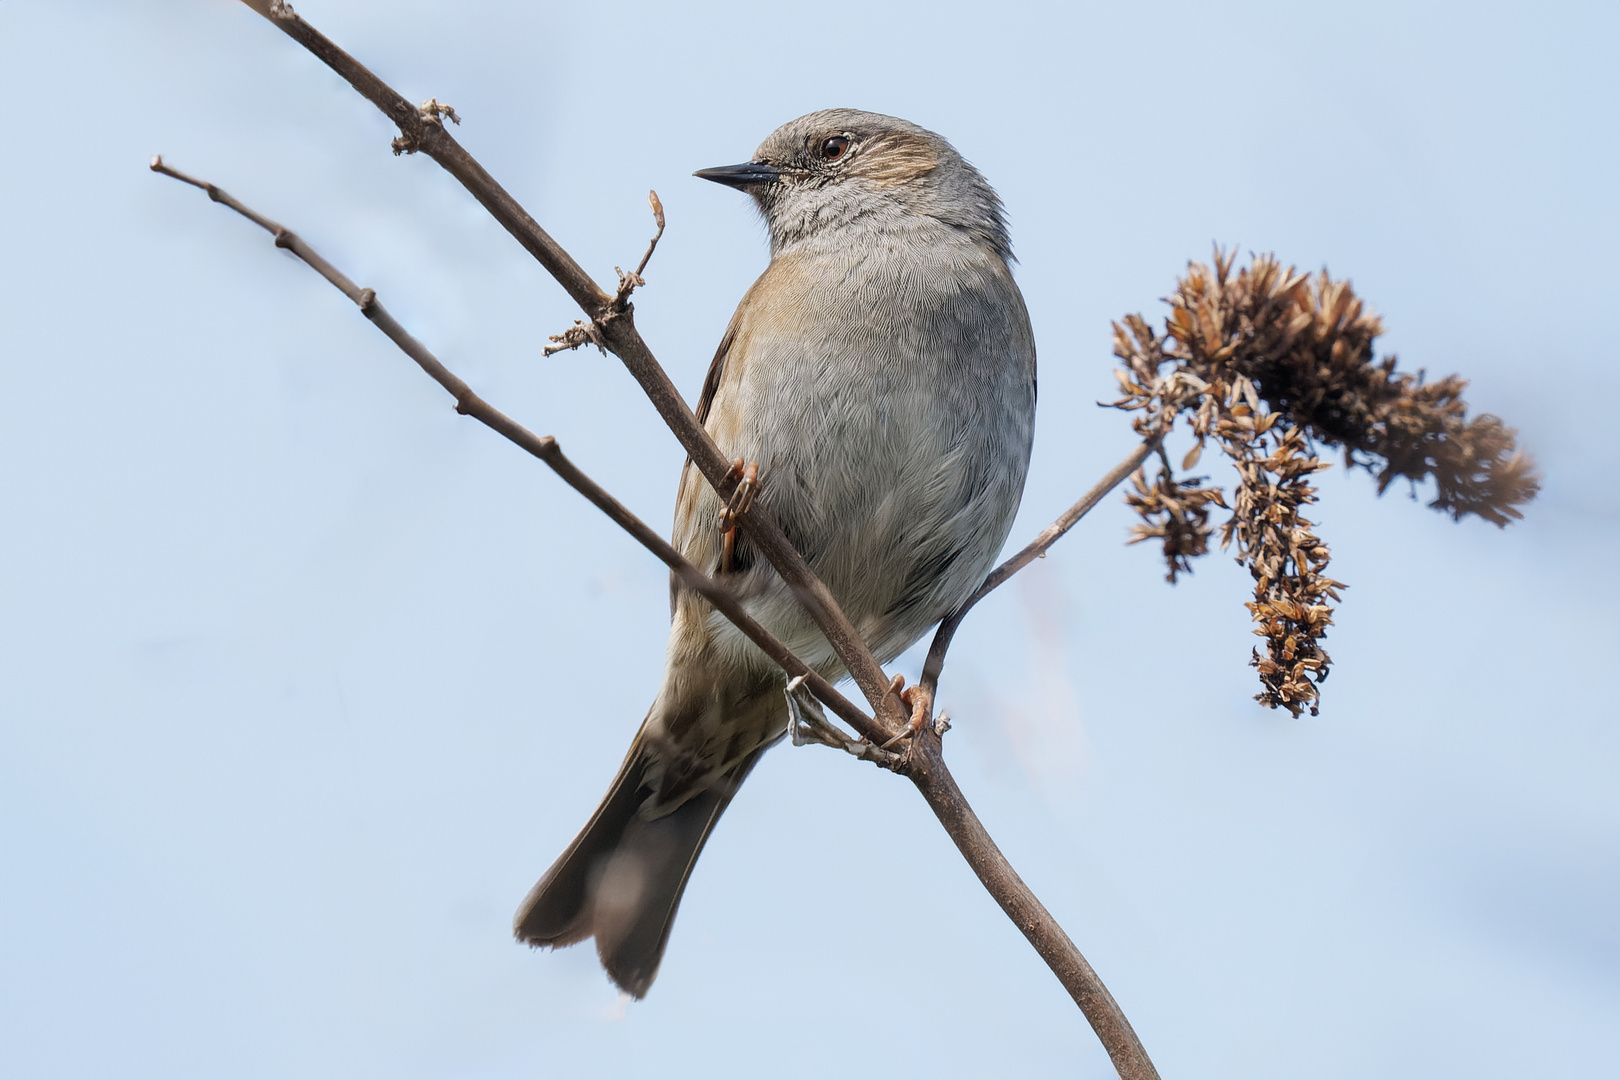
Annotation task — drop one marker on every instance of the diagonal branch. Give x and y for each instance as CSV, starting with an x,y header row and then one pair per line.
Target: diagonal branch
x,y
422,130
926,769
546,449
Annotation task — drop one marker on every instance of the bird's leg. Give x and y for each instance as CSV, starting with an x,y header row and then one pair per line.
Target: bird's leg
x,y
746,473
728,548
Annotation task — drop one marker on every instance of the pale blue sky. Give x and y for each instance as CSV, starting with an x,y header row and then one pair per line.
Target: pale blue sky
x,y
304,679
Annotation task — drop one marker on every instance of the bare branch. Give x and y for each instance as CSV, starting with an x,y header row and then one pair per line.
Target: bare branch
x,y
1035,549
926,768
723,599
613,329
546,449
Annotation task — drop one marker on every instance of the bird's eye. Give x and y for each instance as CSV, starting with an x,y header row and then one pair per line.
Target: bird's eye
x,y
834,148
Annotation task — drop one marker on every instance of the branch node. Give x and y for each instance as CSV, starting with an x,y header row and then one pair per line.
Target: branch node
x,y
428,122
280,9
581,333
367,301
942,723
628,283
281,237
431,110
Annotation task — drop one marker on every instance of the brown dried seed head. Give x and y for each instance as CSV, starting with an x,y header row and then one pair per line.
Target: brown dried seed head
x,y
1268,361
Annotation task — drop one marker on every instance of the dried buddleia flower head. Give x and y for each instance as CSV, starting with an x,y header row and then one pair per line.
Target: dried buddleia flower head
x,y
1266,361
1288,563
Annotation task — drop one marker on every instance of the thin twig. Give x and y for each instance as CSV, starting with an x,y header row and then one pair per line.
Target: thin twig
x,y
658,216
422,131
1032,551
545,448
629,283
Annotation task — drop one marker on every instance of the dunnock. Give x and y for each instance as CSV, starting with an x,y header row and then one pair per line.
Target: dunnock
x,y
881,375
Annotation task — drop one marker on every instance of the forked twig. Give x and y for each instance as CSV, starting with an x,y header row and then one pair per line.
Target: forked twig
x,y
583,333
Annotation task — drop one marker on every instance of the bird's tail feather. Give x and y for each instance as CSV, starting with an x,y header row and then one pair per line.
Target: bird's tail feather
x,y
621,879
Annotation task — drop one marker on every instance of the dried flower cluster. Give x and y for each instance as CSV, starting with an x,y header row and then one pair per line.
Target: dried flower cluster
x,y
1266,361
1176,512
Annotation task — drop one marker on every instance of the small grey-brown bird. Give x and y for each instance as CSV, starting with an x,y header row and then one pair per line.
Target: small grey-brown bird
x,y
881,374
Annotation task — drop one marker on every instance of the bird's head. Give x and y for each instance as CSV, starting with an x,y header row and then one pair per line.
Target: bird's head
x,y
830,176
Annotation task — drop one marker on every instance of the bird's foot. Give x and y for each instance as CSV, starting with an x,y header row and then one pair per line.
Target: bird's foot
x,y
746,473
920,700
807,724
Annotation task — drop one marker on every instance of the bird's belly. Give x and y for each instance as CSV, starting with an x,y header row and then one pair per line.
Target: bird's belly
x,y
899,491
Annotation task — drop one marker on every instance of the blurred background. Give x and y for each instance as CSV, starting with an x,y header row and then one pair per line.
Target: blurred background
x,y
304,679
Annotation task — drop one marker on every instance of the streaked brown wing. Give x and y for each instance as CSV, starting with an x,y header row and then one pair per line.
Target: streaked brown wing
x,y
689,475
711,381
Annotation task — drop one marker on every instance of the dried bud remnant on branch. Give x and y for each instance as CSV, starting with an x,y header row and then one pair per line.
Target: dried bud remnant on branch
x,y
1268,362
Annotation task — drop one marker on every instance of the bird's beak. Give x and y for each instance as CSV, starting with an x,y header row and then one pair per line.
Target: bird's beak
x,y
742,177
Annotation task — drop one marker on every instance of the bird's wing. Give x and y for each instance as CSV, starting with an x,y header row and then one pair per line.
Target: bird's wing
x,y
689,536
711,381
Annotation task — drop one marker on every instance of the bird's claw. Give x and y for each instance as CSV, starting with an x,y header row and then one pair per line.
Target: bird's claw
x,y
807,724
746,473
921,704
